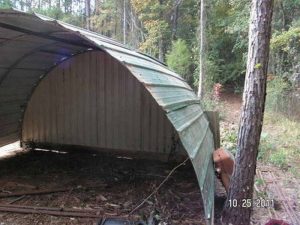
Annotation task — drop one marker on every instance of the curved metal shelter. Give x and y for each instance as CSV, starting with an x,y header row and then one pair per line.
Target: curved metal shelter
x,y
35,49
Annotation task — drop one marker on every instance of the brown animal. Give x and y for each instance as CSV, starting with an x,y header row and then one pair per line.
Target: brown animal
x,y
224,164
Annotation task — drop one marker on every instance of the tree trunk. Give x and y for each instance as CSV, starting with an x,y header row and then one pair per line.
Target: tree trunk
x,y
175,18
202,49
237,209
124,22
88,14
161,38
161,49
58,4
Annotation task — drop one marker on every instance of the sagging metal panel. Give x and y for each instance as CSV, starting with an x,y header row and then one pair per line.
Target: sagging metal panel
x,y
92,100
167,89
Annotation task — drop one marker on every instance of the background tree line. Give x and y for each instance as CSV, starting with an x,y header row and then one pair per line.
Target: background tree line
x,y
168,30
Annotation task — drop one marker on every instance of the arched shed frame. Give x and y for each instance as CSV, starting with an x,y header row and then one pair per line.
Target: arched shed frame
x,y
32,45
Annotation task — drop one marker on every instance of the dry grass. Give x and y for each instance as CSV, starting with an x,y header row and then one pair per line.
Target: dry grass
x,y
280,142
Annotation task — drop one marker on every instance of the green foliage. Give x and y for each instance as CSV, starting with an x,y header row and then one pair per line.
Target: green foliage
x,y
54,12
286,40
179,58
229,140
6,4
279,159
266,147
258,66
227,41
279,143
153,26
276,89
105,19
156,24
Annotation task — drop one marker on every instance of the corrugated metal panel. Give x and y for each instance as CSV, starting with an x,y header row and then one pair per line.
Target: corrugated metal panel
x,y
96,89
169,90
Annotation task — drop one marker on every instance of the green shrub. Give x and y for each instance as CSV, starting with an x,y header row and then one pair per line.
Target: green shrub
x,y
229,140
180,58
6,4
276,89
279,159
265,147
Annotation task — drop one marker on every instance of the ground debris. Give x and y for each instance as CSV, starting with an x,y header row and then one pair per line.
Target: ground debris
x,y
178,199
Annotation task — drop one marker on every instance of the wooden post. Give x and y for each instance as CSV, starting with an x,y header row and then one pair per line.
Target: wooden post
x,y
214,124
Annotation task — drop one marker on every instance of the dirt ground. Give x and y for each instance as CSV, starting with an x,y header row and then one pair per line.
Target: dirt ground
x,y
113,187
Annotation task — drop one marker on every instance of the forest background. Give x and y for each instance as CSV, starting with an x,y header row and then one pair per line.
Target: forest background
x,y
168,30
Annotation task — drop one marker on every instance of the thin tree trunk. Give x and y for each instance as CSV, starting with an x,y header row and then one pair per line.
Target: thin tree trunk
x,y
22,5
283,16
238,206
160,50
88,14
202,49
124,22
175,18
161,41
58,4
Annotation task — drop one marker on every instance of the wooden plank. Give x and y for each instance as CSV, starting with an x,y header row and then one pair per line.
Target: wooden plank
x,y
214,124
68,102
36,210
93,99
130,109
153,125
101,103
146,121
87,100
122,101
115,106
103,100
60,105
43,96
108,102
81,92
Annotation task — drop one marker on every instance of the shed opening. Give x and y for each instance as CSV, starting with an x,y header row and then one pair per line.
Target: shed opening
x,y
63,85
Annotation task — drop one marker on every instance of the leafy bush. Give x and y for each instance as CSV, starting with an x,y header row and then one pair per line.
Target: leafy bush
x,y
179,58
276,89
279,159
286,40
266,147
5,4
229,140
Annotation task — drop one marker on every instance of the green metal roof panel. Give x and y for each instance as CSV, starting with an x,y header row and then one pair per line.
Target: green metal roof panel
x,y
169,89
155,77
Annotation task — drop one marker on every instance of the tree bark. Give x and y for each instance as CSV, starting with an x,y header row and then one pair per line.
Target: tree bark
x,y
124,22
88,14
237,210
58,4
161,39
202,49
175,18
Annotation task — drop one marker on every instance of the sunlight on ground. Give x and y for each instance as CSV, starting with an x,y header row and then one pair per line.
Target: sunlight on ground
x,y
10,149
